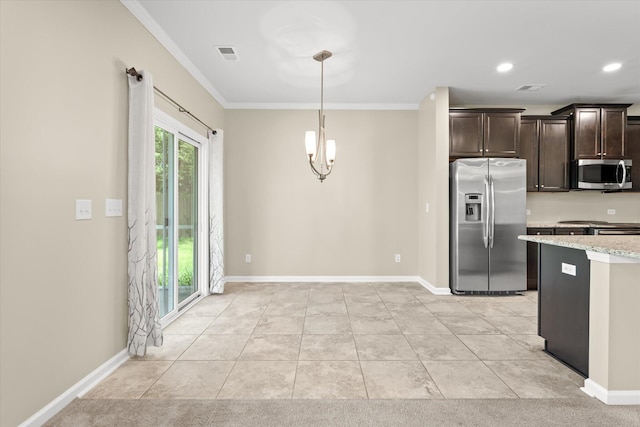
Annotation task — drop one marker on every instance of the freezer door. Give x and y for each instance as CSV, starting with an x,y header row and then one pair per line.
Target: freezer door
x,y
469,257
507,254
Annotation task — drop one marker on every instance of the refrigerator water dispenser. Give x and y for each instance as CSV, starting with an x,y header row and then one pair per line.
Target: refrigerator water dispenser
x,y
473,207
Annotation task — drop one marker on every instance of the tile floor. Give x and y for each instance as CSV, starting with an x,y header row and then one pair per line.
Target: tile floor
x,y
347,341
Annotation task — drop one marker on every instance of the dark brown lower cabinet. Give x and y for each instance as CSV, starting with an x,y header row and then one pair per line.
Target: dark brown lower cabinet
x,y
532,249
532,257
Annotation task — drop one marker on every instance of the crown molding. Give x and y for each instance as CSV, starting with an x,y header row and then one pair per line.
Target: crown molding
x,y
156,31
315,106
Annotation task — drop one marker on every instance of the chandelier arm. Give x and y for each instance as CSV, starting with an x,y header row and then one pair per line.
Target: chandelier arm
x,y
313,168
321,176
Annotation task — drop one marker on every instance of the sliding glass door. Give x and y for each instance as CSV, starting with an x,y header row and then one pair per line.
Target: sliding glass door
x,y
178,205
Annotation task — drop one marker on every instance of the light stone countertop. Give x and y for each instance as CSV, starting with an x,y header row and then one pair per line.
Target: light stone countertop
x,y
624,246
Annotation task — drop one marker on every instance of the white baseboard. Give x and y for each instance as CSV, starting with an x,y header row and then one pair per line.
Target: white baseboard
x,y
611,397
328,279
342,279
77,390
434,289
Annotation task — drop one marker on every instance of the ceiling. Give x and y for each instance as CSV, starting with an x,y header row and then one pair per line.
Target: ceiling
x,y
392,54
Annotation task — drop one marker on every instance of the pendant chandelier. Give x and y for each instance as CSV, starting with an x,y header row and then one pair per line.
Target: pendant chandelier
x,y
321,152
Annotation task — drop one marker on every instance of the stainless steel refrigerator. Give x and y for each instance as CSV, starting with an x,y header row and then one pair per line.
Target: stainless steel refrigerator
x,y
487,213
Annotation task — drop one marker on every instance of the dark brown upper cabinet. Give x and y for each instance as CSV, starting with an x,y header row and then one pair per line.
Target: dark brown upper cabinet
x,y
597,131
487,132
544,143
633,149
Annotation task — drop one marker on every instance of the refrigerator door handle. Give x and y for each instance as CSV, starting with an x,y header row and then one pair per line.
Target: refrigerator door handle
x,y
492,206
484,213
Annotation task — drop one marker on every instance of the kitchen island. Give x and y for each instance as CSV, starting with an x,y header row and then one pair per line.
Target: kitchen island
x,y
614,313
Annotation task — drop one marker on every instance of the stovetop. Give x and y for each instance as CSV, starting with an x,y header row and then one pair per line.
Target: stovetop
x,y
603,224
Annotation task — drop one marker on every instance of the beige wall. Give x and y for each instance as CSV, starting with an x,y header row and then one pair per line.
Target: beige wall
x,y
433,162
352,224
63,283
591,205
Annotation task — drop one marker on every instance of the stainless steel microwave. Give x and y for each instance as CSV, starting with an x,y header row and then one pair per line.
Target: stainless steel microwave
x,y
601,174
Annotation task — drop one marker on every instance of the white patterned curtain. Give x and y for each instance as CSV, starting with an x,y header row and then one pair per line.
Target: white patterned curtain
x,y
216,207
144,319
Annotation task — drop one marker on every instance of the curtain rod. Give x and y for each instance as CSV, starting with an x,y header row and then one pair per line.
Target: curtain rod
x,y
132,72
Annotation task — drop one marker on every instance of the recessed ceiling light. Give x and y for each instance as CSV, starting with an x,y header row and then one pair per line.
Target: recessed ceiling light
x,y
504,67
612,67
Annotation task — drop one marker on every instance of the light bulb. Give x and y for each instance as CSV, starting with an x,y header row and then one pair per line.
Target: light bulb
x,y
331,151
310,143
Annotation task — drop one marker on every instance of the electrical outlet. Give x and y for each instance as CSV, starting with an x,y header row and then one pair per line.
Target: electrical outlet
x,y
426,207
113,207
569,269
398,257
247,257
611,211
528,212
83,209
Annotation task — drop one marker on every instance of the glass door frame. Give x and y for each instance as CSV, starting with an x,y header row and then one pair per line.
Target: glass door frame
x,y
183,133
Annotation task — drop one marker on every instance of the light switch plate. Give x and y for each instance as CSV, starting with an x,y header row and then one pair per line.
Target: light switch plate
x,y
611,211
83,209
569,269
247,257
528,212
113,207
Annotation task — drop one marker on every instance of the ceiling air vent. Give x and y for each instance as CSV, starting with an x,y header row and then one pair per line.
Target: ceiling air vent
x,y
228,53
529,88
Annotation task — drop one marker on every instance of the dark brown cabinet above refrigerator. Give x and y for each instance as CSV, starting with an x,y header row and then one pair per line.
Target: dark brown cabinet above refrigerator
x,y
597,131
486,132
544,143
633,149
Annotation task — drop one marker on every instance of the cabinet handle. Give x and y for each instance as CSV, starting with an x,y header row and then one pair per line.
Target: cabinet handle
x,y
542,186
486,150
538,233
481,150
536,186
599,154
572,233
604,154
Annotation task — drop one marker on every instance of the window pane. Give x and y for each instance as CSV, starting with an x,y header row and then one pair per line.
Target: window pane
x,y
187,219
164,212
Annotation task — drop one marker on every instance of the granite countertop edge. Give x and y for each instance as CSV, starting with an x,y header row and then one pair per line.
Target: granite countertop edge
x,y
624,246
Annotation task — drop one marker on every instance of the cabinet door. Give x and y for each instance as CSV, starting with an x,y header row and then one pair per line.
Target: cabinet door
x,y
633,150
571,231
613,127
554,155
587,133
465,134
501,134
529,151
532,257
